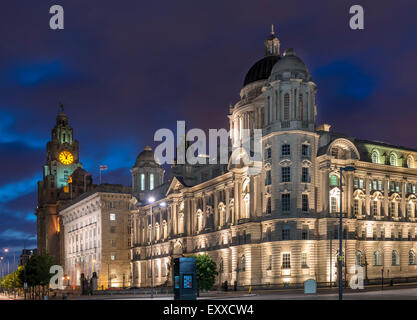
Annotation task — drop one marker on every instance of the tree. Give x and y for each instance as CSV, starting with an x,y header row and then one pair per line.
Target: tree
x,y
206,271
37,270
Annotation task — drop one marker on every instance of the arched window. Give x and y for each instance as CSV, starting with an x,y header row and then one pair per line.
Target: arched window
x,y
410,162
377,258
395,258
393,159
286,107
359,258
375,157
411,258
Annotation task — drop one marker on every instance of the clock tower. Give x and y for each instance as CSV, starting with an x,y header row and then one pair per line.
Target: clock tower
x,y
56,189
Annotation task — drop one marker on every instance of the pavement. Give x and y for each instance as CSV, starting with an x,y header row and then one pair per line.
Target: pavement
x,y
397,292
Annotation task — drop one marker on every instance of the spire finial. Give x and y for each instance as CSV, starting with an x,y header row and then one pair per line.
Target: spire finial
x,y
272,29
61,106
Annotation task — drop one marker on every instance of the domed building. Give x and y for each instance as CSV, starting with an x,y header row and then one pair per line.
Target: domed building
x,y
147,174
274,226
280,226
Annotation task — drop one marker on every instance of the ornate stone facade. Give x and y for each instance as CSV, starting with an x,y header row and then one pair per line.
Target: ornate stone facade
x,y
281,226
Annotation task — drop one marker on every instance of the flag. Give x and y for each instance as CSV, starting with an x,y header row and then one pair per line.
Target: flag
x,y
103,167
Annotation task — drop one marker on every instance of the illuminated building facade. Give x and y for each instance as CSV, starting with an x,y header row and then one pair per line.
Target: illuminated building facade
x,y
97,236
281,226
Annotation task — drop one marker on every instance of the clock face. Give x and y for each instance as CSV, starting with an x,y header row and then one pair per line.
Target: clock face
x,y
66,157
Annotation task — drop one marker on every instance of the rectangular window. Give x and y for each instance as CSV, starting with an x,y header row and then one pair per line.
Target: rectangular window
x,y
112,217
269,264
268,178
285,150
379,185
397,187
374,205
286,235
268,153
305,177
304,233
285,202
356,207
304,260
113,257
113,243
112,229
374,185
151,181
361,183
392,186
142,181
414,188
285,174
356,182
304,201
305,150
286,260
333,204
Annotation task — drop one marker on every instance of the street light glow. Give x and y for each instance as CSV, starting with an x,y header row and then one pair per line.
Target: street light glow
x,y
151,200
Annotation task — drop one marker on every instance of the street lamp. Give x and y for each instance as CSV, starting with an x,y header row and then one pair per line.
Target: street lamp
x,y
340,264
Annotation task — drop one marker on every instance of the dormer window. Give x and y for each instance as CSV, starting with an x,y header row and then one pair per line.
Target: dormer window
x,y
393,159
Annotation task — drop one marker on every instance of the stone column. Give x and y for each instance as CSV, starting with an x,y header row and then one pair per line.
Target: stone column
x,y
367,196
237,197
215,211
174,218
227,199
349,194
386,192
187,216
403,193
252,213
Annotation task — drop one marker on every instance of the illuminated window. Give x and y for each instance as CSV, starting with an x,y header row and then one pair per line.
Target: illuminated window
x,y
356,182
375,157
333,180
393,159
286,260
355,207
361,183
304,260
377,258
112,257
333,204
142,181
410,162
112,217
395,258
411,258
151,181
359,258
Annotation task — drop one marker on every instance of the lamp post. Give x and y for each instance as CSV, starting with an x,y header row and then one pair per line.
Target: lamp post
x,y
340,258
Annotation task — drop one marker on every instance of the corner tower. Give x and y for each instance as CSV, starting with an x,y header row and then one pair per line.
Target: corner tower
x,y
62,159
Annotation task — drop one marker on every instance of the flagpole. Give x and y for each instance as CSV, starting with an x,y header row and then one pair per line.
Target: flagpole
x,y
100,175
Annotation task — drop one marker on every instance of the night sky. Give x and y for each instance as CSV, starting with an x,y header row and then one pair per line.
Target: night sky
x,y
124,69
